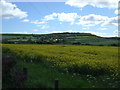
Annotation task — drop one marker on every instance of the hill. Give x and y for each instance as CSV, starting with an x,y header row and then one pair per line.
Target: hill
x,y
60,38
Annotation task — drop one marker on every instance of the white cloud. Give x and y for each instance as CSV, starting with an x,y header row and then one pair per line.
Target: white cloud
x,y
97,33
91,20
38,22
60,22
94,3
35,30
62,17
117,12
43,26
66,17
25,20
86,28
111,21
117,32
10,10
102,34
17,32
21,32
61,31
74,18
50,17
103,28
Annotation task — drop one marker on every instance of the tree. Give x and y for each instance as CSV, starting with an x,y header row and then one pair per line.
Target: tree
x,y
29,40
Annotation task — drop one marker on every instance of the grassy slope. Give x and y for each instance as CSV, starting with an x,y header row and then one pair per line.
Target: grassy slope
x,y
92,40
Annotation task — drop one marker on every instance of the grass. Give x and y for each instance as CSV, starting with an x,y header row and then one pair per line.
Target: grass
x,y
15,40
74,66
42,77
92,40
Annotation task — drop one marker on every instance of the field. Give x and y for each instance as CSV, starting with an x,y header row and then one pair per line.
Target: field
x,y
70,62
60,38
92,40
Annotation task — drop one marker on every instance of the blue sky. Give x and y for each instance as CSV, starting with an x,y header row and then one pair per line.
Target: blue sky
x,y
53,17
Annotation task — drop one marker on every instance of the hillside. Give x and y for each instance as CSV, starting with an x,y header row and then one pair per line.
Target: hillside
x,y
60,38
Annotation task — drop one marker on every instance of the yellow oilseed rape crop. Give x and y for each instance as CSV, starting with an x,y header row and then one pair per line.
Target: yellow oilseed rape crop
x,y
71,58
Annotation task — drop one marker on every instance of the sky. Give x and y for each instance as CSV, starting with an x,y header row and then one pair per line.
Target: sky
x,y
99,17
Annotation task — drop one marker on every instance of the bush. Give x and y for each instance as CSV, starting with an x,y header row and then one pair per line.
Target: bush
x,y
8,63
12,75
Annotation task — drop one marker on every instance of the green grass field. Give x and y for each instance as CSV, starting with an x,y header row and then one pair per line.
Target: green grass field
x,y
62,38
92,40
75,66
